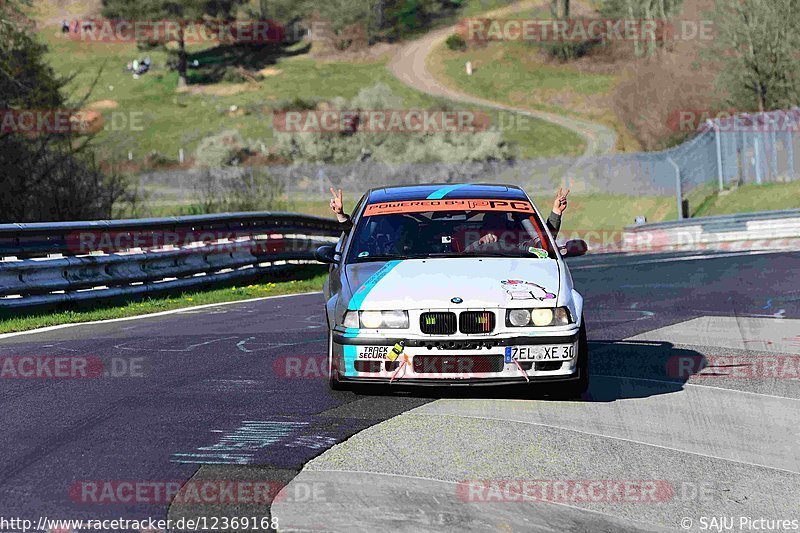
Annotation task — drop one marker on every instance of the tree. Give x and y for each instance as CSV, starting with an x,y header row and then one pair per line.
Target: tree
x,y
563,13
183,11
757,42
642,10
47,175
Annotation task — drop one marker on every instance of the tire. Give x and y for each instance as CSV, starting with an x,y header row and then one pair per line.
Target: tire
x,y
573,390
333,373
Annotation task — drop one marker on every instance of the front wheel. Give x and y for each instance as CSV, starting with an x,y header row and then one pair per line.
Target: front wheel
x,y
573,390
333,371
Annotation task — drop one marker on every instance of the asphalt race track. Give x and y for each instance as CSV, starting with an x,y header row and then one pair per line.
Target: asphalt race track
x,y
235,393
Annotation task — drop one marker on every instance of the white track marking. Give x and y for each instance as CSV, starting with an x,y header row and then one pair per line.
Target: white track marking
x,y
241,344
189,348
699,257
150,315
687,384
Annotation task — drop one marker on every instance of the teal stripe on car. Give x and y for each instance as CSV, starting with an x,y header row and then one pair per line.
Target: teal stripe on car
x,y
351,352
438,194
350,333
358,297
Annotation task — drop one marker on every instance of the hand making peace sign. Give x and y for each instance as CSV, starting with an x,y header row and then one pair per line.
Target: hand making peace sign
x,y
560,203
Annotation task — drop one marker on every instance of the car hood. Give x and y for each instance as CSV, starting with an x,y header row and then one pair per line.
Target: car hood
x,y
434,283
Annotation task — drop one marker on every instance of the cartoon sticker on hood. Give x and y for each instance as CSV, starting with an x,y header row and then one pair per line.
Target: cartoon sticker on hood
x,y
525,290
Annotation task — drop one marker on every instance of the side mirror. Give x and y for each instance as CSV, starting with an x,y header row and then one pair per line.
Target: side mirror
x,y
574,248
326,254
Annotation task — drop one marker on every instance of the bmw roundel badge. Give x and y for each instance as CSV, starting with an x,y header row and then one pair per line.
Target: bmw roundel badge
x,y
456,300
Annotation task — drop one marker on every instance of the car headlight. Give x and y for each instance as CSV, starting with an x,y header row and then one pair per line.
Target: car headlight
x,y
540,317
376,319
350,319
519,317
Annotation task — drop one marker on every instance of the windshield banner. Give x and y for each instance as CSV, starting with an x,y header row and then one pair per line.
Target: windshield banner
x,y
467,204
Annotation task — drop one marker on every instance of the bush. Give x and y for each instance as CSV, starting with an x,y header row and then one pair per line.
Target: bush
x,y
389,147
379,96
221,150
456,42
568,51
296,104
155,159
233,75
234,190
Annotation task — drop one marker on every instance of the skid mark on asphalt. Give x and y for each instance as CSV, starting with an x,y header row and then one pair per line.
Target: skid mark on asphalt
x,y
602,315
178,344
269,345
244,386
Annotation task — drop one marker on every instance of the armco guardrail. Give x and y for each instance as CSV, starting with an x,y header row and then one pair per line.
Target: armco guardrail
x,y
778,230
51,263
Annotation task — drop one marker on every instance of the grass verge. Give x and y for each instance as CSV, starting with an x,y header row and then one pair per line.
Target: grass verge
x,y
750,198
309,278
610,212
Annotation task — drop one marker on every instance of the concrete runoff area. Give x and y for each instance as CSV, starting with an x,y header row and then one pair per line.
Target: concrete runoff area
x,y
463,464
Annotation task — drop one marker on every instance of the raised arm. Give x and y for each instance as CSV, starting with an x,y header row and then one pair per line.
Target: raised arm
x,y
559,206
336,207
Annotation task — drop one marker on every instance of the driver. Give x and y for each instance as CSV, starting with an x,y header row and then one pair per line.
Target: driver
x,y
494,224
389,235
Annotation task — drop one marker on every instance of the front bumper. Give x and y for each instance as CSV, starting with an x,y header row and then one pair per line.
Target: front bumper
x,y
450,360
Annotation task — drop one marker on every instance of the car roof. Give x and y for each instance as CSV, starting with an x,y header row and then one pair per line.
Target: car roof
x,y
438,191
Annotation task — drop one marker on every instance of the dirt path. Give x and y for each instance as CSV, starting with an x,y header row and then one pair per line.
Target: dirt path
x,y
409,66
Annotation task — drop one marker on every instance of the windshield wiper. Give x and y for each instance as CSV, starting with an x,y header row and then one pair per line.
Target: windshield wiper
x,y
510,253
383,257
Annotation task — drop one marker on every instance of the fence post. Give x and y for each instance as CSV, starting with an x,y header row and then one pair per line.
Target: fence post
x,y
791,130
678,188
790,154
745,159
774,150
757,159
713,124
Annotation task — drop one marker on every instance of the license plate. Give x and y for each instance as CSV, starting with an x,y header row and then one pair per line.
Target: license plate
x,y
557,352
372,352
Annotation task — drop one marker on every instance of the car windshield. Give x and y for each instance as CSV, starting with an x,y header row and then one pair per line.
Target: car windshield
x,y
452,228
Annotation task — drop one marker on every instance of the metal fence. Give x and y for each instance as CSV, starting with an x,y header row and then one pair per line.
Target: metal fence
x,y
55,263
757,148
